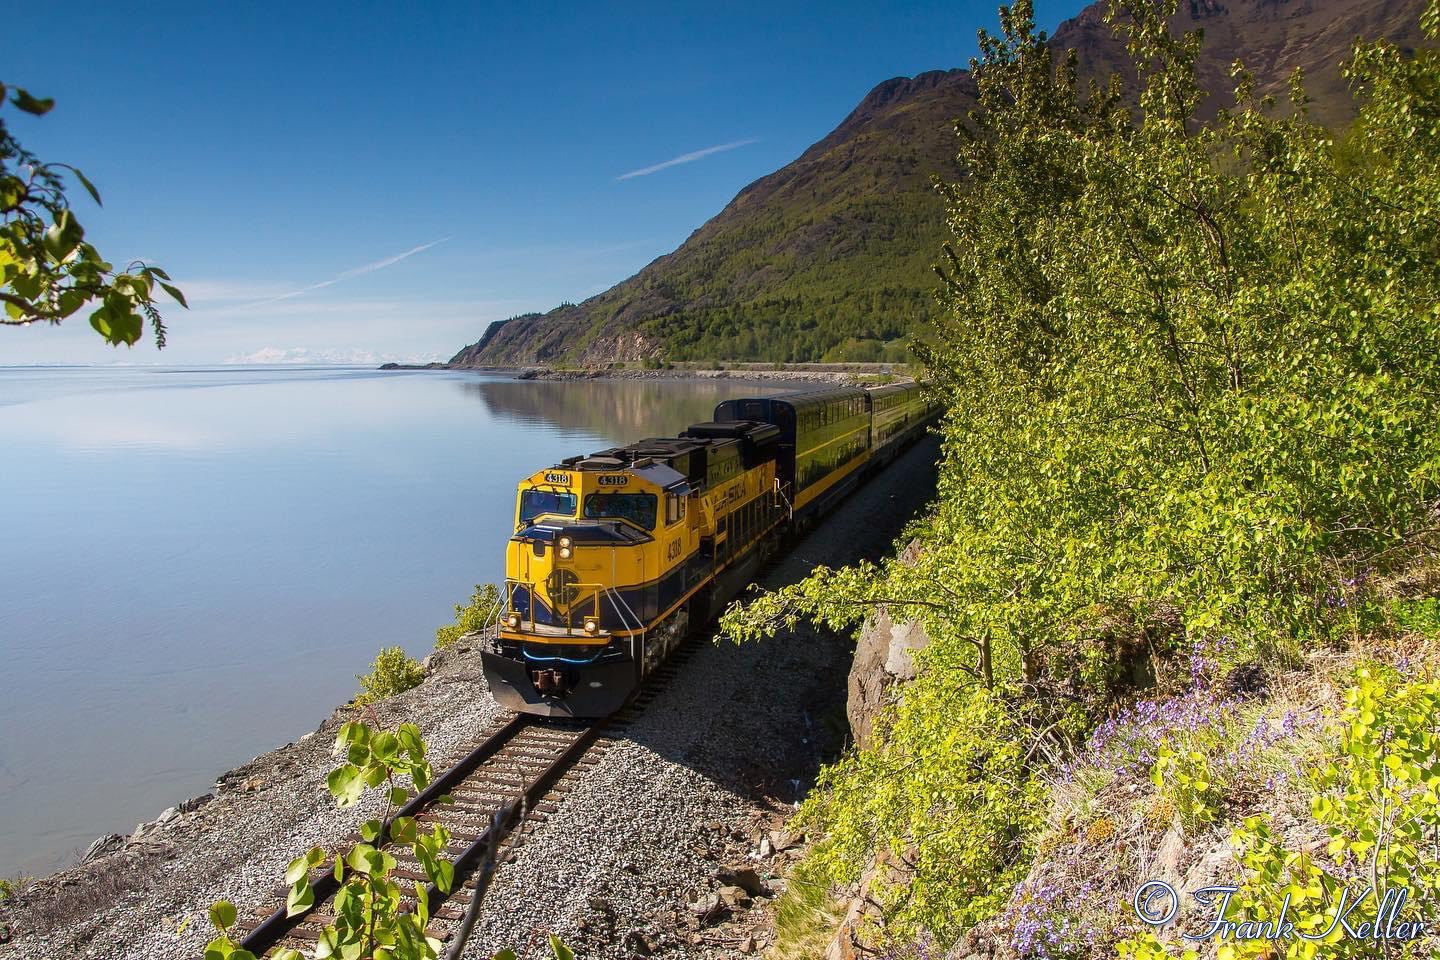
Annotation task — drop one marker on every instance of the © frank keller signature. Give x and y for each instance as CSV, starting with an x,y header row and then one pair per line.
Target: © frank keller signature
x,y
1358,916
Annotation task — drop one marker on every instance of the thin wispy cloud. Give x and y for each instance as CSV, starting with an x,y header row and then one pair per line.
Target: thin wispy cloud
x,y
353,272
687,158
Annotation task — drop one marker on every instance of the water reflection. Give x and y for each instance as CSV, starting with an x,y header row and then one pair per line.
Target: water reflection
x,y
619,410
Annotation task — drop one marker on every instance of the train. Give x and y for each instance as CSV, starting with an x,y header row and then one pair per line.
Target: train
x,y
618,555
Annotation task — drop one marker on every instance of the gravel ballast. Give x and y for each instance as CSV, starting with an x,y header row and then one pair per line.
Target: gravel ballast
x,y
671,846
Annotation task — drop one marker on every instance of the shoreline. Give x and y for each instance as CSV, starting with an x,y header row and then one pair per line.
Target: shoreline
x,y
839,373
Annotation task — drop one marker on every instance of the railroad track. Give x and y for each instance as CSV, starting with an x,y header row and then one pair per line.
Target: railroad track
x,y
495,796
499,794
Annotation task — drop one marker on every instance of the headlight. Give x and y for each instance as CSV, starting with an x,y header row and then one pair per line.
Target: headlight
x,y
564,553
513,621
591,625
566,543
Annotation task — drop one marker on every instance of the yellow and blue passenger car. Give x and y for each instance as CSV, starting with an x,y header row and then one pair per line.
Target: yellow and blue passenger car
x,y
617,555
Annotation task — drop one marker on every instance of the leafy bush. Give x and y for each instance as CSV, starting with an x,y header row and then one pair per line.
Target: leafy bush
x,y
1192,399
949,792
474,617
1420,616
1186,783
393,672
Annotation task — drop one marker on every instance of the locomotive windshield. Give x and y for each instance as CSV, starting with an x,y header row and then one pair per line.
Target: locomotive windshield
x,y
638,508
535,502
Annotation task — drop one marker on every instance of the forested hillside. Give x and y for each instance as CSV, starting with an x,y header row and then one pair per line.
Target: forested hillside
x,y
1180,587
830,257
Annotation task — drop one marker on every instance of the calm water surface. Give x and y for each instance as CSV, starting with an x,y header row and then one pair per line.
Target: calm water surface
x,y
197,561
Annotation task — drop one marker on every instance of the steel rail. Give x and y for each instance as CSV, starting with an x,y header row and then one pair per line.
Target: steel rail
x,y
277,925
482,853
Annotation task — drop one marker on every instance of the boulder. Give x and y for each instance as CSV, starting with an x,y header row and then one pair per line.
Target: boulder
x,y
103,845
706,905
734,898
746,878
783,840
195,803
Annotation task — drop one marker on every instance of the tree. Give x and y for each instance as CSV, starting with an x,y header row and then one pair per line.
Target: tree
x,y
1192,391
47,270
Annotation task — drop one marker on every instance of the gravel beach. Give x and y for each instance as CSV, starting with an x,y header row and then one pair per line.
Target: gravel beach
x,y
672,846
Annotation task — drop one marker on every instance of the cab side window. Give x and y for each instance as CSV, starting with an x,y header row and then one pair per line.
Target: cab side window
x,y
674,509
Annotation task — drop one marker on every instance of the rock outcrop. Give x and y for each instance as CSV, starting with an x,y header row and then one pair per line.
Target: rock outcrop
x,y
884,655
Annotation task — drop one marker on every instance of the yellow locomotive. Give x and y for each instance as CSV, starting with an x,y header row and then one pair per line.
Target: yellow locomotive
x,y
617,554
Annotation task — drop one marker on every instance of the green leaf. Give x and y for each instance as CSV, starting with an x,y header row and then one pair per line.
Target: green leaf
x,y
410,739
89,187
175,294
399,795
558,948
70,301
359,858
386,746
63,236
31,104
287,954
443,876
370,830
345,785
300,898
297,870
403,829
100,320
126,327
222,914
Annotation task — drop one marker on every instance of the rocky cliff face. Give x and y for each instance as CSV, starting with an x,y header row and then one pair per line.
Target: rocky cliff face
x,y
884,657
835,248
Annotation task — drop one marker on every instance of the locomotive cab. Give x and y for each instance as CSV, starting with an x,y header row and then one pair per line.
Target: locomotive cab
x,y
582,589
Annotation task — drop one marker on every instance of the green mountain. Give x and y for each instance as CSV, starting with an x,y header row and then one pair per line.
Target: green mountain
x,y
829,257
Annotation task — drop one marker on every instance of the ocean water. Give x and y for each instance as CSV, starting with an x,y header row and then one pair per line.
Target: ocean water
x,y
196,562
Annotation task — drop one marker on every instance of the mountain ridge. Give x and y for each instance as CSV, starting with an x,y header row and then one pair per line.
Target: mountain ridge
x,y
829,256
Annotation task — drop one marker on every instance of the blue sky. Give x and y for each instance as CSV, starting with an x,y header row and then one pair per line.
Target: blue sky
x,y
379,181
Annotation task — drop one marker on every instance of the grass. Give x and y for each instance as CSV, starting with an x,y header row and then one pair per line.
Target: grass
x,y
806,918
